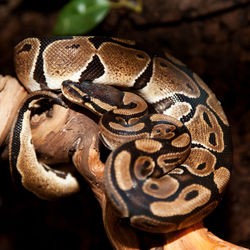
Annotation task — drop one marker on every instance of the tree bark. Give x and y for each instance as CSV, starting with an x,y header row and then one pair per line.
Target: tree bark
x,y
10,89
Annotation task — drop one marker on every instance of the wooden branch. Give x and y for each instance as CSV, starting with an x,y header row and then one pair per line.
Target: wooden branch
x,y
58,132
11,95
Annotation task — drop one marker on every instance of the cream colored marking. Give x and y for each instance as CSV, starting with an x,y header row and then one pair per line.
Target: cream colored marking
x,y
214,104
200,130
25,63
166,81
180,206
164,186
181,141
143,222
141,171
162,117
116,140
163,131
122,173
148,145
133,120
122,65
103,105
168,156
168,166
197,217
221,178
64,62
178,110
128,98
197,157
212,100
176,171
136,127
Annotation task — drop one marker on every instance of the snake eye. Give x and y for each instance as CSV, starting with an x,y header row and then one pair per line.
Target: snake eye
x,y
86,98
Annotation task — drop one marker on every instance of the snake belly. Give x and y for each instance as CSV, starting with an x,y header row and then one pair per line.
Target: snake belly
x,y
187,192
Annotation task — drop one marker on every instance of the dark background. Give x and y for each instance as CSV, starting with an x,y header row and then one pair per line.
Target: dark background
x,y
213,38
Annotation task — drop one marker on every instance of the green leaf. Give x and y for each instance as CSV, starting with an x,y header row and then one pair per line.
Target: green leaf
x,y
80,16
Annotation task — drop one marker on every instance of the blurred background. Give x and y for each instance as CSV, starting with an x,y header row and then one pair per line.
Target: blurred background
x,y
212,38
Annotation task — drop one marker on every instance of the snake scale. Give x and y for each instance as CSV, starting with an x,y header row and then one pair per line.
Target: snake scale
x,y
169,138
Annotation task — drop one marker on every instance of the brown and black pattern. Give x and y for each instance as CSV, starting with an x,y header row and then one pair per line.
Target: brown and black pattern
x,y
40,179
167,170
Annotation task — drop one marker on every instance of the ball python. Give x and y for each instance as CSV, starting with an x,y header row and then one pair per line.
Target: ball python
x,y
174,167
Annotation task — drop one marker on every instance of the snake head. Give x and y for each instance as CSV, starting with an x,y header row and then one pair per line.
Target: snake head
x,y
96,97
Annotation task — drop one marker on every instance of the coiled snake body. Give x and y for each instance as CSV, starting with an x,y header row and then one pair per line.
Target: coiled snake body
x,y
168,168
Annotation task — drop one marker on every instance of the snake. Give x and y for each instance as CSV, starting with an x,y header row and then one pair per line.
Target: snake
x,y
169,139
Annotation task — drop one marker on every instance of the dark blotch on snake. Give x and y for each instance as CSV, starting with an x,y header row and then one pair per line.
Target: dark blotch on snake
x,y
212,139
171,160
144,78
73,46
26,47
154,187
145,170
201,166
94,70
191,195
206,119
